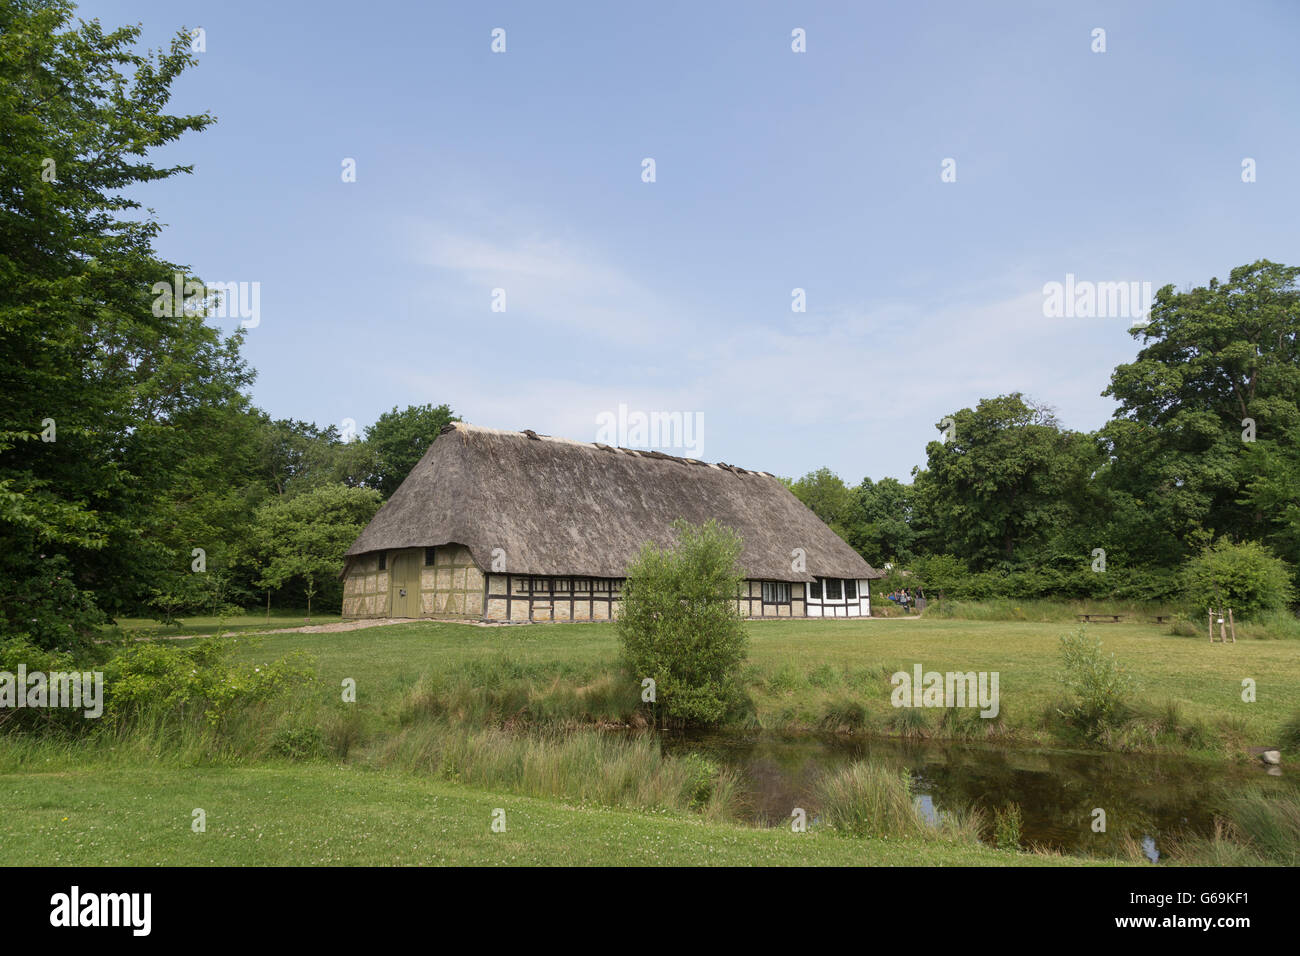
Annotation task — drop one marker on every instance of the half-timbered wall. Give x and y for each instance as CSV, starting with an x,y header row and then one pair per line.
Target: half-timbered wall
x,y
365,589
451,585
839,597
529,597
448,581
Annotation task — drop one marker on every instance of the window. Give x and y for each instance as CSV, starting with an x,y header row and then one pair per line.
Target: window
x,y
581,585
834,591
776,592
521,585
600,585
428,556
815,589
561,585
851,589
383,562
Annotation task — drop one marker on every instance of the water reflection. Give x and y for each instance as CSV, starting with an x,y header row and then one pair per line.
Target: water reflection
x,y
1146,798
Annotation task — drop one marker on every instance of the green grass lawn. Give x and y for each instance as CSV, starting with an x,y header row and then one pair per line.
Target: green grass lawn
x,y
327,815
797,667
382,801
194,625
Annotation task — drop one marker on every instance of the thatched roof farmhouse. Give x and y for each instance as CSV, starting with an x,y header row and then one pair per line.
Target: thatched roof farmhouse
x,y
516,526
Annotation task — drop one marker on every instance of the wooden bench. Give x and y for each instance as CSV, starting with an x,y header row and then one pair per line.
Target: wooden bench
x,y
1099,618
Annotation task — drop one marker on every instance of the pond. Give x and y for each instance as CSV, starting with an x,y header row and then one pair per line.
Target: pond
x,y
1150,798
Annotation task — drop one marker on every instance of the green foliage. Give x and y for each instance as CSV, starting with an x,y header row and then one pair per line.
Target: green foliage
x,y
999,489
303,538
399,439
869,799
1289,735
1245,577
114,416
826,496
39,598
879,520
1270,824
57,722
171,679
1100,687
1007,822
680,624
1212,357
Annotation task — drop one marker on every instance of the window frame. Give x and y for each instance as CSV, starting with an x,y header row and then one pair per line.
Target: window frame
x,y
776,592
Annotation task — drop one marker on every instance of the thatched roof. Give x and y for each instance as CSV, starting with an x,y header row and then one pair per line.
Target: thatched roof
x,y
563,507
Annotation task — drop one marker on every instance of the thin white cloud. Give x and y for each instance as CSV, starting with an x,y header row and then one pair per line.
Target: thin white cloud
x,y
550,283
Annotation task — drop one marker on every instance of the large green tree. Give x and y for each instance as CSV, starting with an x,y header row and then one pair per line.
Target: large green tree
x,y
113,414
1000,489
398,439
1206,433
299,540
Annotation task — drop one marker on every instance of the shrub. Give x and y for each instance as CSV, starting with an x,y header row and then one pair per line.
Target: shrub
x,y
845,713
1099,685
298,743
1245,577
680,624
164,679
16,651
1006,827
40,599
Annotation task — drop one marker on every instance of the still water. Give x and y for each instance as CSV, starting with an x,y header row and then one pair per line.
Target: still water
x,y
1150,798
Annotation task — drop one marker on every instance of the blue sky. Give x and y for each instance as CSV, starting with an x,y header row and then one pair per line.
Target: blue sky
x,y
775,170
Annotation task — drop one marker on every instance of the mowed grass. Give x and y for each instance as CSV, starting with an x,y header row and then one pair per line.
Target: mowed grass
x,y
194,625
798,670
331,815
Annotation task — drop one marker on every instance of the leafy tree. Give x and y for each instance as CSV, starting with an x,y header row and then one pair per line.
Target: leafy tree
x,y
110,413
997,492
399,439
1212,358
826,496
301,539
879,521
1245,577
681,626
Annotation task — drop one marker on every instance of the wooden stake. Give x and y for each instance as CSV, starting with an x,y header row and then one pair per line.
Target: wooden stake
x,y
1233,626
1210,625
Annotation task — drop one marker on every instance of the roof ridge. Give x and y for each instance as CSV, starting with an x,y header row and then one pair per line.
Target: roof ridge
x,y
528,434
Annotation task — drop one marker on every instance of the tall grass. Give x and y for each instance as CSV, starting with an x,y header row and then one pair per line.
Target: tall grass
x,y
869,799
587,767
1256,828
872,800
1270,824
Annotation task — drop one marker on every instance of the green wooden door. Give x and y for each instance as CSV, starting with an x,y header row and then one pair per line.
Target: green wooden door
x,y
404,585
